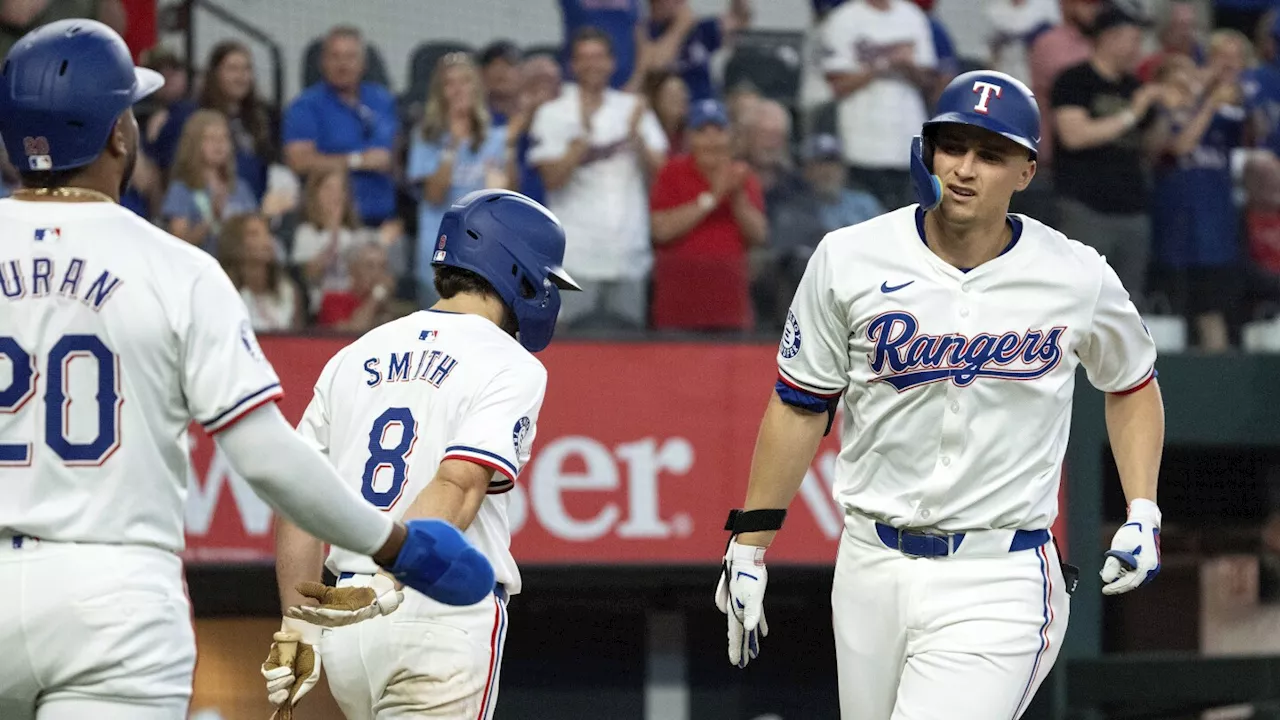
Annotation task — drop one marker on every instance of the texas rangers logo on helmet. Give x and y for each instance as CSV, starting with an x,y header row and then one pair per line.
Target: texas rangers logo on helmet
x,y
912,358
984,91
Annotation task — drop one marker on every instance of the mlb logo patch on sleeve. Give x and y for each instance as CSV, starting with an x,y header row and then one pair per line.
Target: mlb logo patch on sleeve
x,y
43,234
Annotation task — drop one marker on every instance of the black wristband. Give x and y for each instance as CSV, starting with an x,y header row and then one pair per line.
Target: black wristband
x,y
743,521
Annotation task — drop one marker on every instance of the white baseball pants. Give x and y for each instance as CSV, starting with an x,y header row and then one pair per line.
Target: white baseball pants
x,y
425,660
966,636
93,631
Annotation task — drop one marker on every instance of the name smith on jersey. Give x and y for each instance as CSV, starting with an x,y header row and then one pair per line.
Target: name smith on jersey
x,y
432,366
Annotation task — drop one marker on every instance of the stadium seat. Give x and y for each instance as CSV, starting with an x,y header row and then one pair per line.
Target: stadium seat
x,y
375,66
770,61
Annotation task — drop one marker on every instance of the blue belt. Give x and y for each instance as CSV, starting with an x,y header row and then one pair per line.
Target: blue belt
x,y
498,589
922,544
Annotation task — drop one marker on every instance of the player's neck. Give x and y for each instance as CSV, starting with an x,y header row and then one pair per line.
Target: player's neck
x,y
473,304
86,186
966,246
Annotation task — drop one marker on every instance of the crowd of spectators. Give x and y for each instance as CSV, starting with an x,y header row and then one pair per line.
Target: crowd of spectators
x,y
691,205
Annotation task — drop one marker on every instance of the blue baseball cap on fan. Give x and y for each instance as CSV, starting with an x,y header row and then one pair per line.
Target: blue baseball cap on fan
x,y
707,112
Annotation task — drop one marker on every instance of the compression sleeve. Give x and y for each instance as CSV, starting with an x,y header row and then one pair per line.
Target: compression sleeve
x,y
295,479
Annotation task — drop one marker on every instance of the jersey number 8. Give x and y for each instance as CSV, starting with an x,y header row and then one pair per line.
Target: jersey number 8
x,y
395,459
22,387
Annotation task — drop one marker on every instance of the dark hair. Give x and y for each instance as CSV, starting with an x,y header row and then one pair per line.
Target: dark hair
x,y
451,281
589,34
500,50
251,111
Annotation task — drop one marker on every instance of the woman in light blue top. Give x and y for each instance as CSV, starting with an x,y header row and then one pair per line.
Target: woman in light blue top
x,y
204,189
456,150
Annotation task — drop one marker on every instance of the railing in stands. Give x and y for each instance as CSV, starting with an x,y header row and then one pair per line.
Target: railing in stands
x,y
247,29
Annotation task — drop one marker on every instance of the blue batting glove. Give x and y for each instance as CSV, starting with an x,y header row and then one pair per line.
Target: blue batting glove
x,y
437,561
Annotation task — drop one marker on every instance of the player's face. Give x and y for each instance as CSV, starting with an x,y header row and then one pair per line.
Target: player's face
x,y
980,171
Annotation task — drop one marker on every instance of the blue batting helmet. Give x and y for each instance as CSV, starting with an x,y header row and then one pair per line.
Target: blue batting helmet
x,y
64,86
983,98
518,247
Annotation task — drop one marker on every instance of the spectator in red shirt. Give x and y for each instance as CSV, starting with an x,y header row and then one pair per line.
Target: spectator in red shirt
x,y
706,212
368,302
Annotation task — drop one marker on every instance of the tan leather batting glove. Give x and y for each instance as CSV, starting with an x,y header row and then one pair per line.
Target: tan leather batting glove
x,y
349,605
293,664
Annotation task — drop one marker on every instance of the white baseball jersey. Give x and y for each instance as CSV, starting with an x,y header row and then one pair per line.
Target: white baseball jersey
x,y
957,386
113,336
432,386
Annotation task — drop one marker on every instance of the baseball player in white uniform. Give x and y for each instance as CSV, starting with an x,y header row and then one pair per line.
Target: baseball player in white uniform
x,y
949,333
432,415
114,335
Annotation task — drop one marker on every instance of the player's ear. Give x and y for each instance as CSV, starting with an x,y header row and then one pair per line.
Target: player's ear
x,y
118,142
1028,173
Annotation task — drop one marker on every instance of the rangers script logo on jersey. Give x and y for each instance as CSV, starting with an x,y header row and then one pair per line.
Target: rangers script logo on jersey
x,y
915,358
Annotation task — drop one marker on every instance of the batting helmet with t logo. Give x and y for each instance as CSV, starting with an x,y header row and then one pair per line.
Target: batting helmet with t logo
x,y
986,99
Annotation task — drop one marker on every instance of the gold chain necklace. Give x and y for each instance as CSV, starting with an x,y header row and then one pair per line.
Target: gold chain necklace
x,y
70,193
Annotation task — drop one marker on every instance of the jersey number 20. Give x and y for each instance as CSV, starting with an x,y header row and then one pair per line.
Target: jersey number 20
x,y
22,387
395,459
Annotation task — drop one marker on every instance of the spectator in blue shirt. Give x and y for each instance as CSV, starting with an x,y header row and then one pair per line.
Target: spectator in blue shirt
x,y
1195,221
228,87
204,189
344,122
621,21
456,150
681,42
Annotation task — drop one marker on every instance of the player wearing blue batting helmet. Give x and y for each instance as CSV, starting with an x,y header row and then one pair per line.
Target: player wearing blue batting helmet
x,y
984,99
515,245
63,89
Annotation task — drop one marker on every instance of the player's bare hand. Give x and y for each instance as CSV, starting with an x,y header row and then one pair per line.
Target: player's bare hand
x,y
293,665
1134,557
346,606
740,596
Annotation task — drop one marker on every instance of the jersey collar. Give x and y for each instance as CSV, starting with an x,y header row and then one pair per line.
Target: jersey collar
x,y
1015,223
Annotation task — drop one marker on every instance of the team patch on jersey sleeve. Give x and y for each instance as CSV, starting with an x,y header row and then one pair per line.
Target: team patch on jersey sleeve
x,y
519,434
790,344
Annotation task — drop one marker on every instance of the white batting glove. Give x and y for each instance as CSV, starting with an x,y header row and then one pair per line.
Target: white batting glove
x,y
349,605
290,678
1134,557
740,596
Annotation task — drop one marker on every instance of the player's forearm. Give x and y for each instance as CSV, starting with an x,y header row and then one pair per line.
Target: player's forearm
x,y
786,445
1135,427
299,558
297,481
454,495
